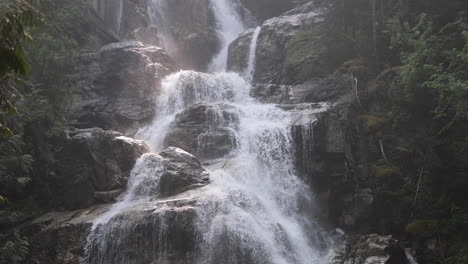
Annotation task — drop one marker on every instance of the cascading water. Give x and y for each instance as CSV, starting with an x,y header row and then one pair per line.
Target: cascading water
x,y
250,71
255,210
229,27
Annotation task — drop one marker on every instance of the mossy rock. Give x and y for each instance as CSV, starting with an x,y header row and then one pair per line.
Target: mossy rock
x,y
302,47
304,57
421,227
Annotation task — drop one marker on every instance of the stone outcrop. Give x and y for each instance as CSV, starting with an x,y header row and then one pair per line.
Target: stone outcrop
x,y
206,130
92,163
292,48
115,88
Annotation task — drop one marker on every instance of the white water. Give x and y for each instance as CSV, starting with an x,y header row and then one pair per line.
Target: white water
x,y
229,26
250,71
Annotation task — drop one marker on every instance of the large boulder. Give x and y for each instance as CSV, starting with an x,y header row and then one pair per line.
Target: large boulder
x,y
116,87
206,130
292,48
91,163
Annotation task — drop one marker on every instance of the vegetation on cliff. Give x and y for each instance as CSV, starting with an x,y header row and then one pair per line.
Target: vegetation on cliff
x,y
411,60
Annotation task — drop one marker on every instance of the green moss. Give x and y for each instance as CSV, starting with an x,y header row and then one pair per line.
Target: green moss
x,y
386,171
301,47
421,227
461,256
373,123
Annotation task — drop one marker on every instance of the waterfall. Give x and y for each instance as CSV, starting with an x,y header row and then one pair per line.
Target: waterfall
x,y
255,210
230,25
250,71
258,196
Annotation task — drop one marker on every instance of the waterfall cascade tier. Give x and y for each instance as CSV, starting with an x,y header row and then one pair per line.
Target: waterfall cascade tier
x,y
254,210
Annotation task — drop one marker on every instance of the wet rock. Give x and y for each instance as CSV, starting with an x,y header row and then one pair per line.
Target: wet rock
x,y
155,230
115,88
182,172
92,160
205,130
368,249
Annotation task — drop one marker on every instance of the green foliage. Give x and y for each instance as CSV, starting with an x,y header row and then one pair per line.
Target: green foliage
x,y
15,18
15,248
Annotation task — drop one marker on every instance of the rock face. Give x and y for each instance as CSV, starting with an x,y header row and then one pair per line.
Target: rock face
x,y
115,88
264,9
188,30
182,172
205,130
92,163
369,249
327,89
292,48
59,237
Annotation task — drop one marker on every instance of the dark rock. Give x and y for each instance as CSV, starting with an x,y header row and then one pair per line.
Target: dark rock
x,y
116,87
109,196
206,130
92,160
